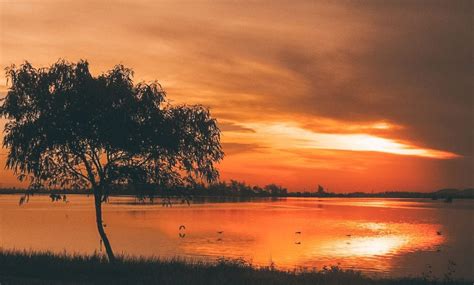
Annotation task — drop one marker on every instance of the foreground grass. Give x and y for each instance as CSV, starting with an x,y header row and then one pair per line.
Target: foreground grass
x,y
48,268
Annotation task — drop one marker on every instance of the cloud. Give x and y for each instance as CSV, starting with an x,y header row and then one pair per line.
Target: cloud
x,y
327,67
227,126
286,135
238,148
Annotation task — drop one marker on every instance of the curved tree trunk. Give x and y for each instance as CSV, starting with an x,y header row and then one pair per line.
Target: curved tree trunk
x,y
100,227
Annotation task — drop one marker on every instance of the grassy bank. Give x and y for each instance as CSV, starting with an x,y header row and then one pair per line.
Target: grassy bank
x,y
47,268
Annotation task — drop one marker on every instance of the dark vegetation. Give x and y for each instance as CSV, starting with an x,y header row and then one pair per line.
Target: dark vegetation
x,y
47,268
241,189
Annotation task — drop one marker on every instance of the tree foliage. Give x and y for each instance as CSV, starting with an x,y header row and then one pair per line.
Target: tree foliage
x,y
67,128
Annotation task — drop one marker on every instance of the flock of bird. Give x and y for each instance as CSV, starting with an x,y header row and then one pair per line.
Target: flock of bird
x,y
182,234
298,233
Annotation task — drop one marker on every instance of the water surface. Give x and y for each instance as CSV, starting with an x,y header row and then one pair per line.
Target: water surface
x,y
395,237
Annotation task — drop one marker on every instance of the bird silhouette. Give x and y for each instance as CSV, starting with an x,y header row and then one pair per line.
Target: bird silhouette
x,y
298,233
220,232
182,227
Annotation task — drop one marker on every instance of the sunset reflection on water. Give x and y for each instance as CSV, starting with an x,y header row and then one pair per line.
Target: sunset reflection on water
x,y
394,237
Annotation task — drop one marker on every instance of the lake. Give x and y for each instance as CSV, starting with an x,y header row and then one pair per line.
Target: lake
x,y
384,237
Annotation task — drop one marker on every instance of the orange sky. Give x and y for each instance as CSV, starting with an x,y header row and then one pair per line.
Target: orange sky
x,y
351,96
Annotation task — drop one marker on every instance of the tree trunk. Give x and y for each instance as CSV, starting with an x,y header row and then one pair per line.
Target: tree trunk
x,y
100,227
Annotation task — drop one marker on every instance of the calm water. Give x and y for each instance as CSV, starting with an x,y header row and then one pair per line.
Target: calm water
x,y
396,237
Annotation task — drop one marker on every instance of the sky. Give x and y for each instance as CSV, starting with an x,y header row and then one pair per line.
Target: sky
x,y
352,95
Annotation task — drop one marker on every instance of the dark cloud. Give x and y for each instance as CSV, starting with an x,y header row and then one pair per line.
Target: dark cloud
x,y
407,62
237,148
233,127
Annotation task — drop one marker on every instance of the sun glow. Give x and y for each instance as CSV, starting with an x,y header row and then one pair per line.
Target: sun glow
x,y
284,135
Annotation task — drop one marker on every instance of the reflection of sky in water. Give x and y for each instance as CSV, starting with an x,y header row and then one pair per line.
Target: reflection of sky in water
x,y
397,237
368,246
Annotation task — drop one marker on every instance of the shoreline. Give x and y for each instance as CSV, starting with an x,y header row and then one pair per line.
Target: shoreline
x,y
429,196
27,267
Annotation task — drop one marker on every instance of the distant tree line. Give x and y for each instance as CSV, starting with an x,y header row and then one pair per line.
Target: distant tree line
x,y
235,188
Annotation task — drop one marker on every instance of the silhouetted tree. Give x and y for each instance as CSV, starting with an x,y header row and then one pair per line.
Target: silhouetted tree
x,y
67,128
321,192
276,190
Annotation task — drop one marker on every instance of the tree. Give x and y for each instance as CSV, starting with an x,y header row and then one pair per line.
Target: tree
x,y
276,190
67,128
